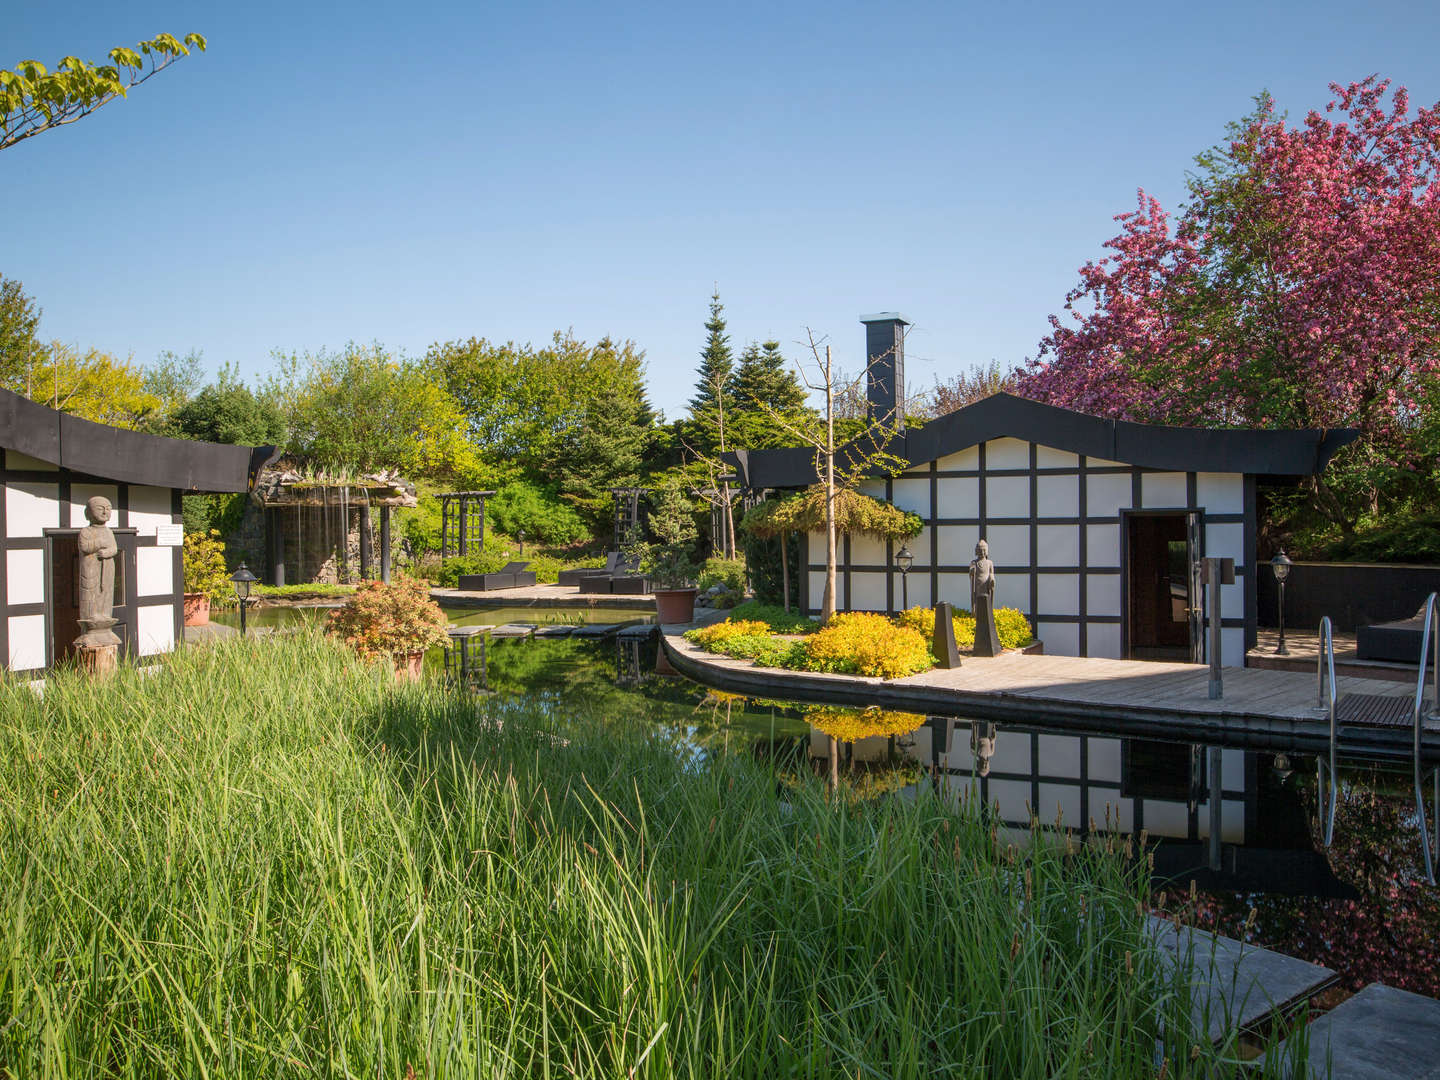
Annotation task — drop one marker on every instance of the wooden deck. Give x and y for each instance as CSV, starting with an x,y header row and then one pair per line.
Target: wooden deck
x,y
1260,708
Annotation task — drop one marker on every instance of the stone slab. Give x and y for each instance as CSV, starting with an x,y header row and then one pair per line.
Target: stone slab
x,y
555,630
1379,1034
1237,985
640,630
512,630
596,630
467,631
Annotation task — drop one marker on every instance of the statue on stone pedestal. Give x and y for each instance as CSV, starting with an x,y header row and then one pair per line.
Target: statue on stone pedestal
x,y
982,745
982,601
97,577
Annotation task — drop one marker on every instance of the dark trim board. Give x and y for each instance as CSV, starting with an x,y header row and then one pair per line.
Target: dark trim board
x,y
1171,449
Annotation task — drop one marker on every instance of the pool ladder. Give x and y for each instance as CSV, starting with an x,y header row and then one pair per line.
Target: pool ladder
x,y
1326,776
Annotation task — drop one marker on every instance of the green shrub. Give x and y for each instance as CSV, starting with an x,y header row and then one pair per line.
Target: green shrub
x,y
762,565
539,512
720,571
205,570
1412,540
498,551
775,617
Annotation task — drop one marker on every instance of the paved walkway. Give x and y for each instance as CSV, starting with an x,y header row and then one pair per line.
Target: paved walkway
x,y
1304,649
1259,707
1379,1034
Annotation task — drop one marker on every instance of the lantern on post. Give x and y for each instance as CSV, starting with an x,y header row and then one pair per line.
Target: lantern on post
x,y
243,579
1281,565
904,560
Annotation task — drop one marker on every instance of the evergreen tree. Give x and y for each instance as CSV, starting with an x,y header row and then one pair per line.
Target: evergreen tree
x,y
716,363
606,451
764,380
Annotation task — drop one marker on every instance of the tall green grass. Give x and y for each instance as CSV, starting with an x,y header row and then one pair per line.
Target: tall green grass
x,y
267,860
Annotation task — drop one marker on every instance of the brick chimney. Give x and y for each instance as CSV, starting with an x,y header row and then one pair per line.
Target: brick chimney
x,y
885,372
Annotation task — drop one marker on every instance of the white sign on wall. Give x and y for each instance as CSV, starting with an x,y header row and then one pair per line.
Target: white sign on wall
x,y
169,535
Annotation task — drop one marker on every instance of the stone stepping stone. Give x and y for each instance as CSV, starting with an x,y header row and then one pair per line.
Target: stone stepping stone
x,y
555,630
597,630
1237,986
1379,1034
639,630
468,631
512,630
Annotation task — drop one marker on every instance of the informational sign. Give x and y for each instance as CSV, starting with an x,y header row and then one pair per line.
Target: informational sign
x,y
169,535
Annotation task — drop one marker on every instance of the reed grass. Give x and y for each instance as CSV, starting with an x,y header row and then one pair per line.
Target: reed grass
x,y
267,860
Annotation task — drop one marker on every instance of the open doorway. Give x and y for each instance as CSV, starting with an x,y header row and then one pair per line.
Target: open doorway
x,y
63,577
1162,612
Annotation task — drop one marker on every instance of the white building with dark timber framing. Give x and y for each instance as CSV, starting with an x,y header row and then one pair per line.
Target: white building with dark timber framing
x,y
1096,527
51,464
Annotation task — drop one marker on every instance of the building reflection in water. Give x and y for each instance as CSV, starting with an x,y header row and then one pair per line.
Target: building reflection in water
x,y
1177,793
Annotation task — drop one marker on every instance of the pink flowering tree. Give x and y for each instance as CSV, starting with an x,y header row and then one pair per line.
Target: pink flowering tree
x,y
1298,287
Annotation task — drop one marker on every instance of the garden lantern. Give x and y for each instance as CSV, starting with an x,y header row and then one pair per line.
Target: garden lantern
x,y
242,579
904,560
1280,564
522,541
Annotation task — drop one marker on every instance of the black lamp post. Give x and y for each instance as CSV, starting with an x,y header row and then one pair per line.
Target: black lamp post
x,y
242,579
1281,565
522,541
904,560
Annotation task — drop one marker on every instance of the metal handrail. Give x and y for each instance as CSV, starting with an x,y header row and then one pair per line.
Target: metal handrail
x,y
1325,702
1429,848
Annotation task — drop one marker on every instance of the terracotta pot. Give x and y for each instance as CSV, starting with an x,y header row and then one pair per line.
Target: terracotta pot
x,y
197,609
408,666
675,605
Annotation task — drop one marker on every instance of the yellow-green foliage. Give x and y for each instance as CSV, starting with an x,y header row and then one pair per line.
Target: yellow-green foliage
x,y
204,564
715,635
861,643
849,725
1010,624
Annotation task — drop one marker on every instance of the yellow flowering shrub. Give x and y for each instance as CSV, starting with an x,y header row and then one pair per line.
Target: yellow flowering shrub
x,y
850,725
715,636
861,643
1010,624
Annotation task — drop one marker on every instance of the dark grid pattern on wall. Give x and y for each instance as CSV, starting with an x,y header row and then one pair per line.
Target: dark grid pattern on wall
x,y
1053,521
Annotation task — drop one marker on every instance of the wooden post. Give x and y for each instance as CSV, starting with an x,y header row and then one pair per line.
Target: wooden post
x,y
1218,571
277,551
364,541
385,544
1216,788
464,508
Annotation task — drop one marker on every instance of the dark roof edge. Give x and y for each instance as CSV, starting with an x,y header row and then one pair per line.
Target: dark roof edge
x,y
1294,452
129,457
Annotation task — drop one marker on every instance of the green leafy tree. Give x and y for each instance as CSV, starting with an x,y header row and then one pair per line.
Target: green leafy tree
x,y
93,385
20,348
228,411
366,410
535,511
34,99
174,379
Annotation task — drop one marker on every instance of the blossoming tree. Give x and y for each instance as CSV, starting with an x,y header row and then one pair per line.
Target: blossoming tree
x,y
1300,286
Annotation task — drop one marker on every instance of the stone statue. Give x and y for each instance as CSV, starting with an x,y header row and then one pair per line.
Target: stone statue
x,y
982,601
97,577
982,745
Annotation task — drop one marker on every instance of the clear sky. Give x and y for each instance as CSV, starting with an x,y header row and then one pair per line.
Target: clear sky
x,y
413,172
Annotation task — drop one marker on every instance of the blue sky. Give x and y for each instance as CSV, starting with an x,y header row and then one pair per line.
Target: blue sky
x,y
417,172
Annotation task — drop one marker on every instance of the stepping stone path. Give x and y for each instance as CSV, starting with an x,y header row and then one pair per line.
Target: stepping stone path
x,y
1237,986
639,630
1379,1034
555,630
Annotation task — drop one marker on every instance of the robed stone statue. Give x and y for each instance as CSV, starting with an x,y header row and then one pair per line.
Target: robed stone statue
x,y
97,577
982,601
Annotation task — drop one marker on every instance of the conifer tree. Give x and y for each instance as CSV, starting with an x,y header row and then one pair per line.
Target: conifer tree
x,y
764,379
716,363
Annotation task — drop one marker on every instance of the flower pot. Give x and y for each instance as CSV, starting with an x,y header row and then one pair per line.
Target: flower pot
x,y
675,605
408,666
197,609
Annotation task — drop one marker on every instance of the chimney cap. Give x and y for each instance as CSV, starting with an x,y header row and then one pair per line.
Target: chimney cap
x,y
885,316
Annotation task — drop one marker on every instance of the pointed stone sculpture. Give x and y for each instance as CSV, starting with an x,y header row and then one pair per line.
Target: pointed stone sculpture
x,y
982,602
947,653
98,645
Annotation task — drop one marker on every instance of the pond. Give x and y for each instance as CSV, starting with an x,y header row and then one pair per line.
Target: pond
x,y
1360,906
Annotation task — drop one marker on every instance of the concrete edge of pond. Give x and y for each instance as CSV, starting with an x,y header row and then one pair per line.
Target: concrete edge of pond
x,y
536,598
1238,726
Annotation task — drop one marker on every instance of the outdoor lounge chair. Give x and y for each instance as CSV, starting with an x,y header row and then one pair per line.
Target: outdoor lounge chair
x,y
512,575
621,575
575,577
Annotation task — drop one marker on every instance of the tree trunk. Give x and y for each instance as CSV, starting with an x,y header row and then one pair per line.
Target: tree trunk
x,y
729,521
785,571
834,782
827,609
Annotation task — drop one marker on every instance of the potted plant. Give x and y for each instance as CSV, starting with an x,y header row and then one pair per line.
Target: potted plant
x,y
398,620
670,563
207,579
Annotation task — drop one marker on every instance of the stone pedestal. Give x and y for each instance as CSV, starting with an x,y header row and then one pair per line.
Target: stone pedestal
x,y
987,639
947,653
97,660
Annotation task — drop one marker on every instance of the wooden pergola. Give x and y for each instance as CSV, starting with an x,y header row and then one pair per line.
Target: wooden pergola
x,y
280,489
462,521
